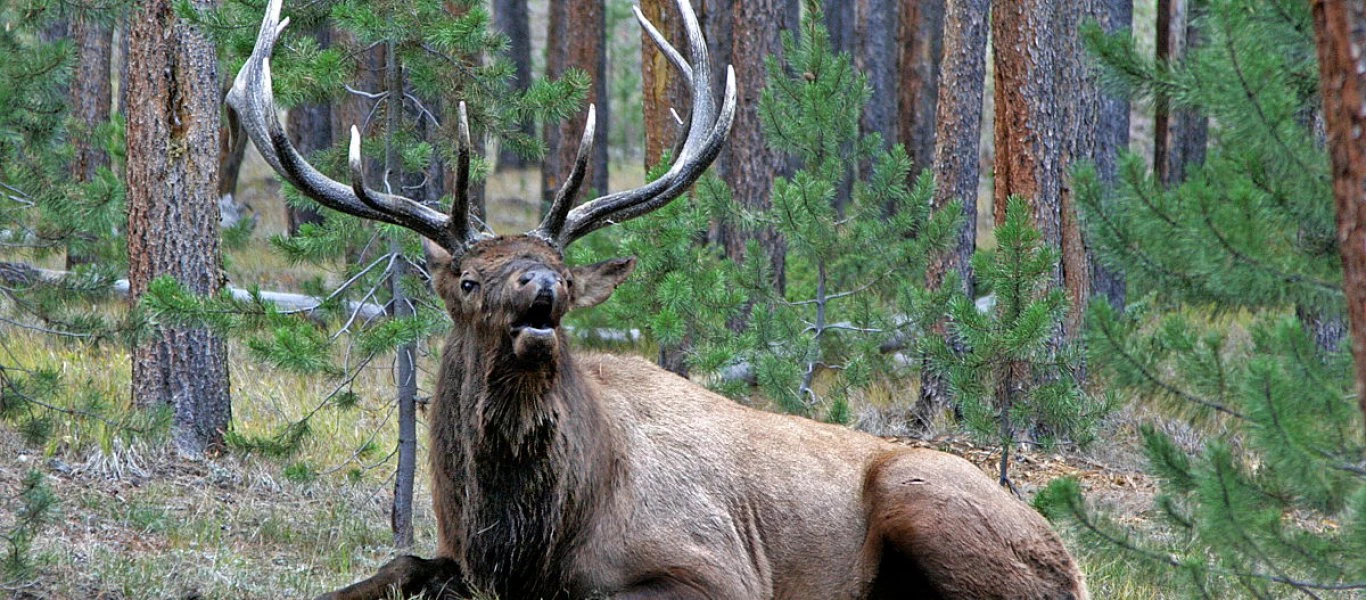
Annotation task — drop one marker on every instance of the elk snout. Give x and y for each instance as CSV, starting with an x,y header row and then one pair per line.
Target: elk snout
x,y
540,292
539,282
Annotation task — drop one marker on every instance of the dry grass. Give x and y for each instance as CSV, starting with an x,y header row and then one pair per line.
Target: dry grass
x,y
135,522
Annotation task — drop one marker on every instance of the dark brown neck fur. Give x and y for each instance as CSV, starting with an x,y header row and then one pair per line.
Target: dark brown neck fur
x,y
536,458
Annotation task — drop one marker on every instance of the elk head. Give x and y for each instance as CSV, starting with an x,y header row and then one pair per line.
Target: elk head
x,y
515,290
516,287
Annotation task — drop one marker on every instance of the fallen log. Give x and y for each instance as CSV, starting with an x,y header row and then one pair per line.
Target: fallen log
x,y
12,273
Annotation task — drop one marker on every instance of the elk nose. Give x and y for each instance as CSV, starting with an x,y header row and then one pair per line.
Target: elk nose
x,y
541,281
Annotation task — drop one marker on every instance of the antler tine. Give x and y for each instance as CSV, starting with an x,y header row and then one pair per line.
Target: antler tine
x,y
252,98
706,132
564,198
664,46
460,206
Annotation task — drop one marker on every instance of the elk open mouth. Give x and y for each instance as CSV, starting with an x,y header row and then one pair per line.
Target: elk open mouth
x,y
538,320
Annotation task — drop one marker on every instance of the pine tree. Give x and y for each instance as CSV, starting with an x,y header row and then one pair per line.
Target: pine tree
x,y
853,289
852,295
43,209
173,218
1227,264
1009,378
684,292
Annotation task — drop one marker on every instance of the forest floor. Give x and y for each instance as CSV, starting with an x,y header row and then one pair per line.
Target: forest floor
x,y
143,524
133,522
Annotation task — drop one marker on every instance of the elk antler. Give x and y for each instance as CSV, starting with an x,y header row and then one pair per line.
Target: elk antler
x,y
707,130
252,98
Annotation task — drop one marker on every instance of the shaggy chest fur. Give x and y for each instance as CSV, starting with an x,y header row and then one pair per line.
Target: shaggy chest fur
x,y
531,480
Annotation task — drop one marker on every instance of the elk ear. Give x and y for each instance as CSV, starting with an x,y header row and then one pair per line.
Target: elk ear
x,y
594,284
438,259
439,266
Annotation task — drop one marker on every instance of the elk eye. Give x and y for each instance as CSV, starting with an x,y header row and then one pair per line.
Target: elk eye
x,y
468,286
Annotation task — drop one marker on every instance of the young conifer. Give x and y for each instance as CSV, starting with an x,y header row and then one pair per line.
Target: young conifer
x,y
1241,281
1008,377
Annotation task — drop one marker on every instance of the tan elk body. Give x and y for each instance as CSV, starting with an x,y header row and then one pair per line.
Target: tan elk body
x,y
563,475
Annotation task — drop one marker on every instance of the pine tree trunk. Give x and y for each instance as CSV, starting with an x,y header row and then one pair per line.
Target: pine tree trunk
x,y
921,33
717,20
351,109
91,94
173,216
957,159
664,92
579,41
663,89
1112,139
1047,105
310,129
1340,33
91,97
556,61
354,110
121,34
511,18
839,23
750,165
1179,136
876,58
842,23
405,374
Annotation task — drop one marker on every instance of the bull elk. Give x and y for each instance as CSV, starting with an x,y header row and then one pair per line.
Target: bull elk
x,y
564,475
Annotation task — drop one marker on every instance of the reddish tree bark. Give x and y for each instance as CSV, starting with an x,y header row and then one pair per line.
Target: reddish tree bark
x,y
91,93
173,216
921,34
1340,33
1179,136
553,170
664,90
577,39
1047,107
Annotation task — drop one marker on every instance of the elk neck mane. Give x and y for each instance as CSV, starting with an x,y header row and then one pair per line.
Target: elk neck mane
x,y
538,455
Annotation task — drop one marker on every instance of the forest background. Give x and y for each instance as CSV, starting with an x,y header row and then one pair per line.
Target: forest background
x,y
1117,273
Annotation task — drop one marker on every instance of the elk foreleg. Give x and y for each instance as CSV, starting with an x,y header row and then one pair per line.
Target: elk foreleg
x,y
408,576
